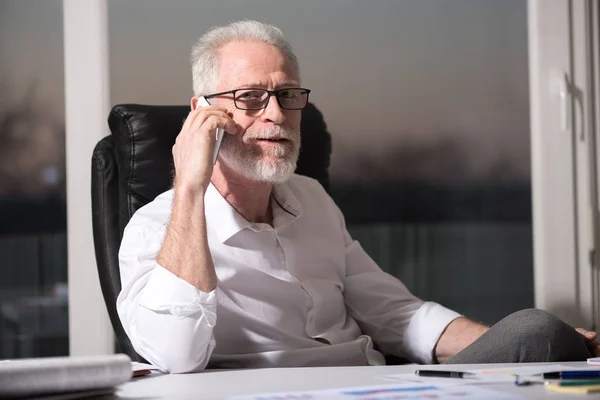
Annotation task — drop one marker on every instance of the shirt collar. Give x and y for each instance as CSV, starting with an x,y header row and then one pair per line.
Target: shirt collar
x,y
227,222
285,205
221,216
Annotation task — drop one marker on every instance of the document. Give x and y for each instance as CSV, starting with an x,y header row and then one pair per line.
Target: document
x,y
486,375
388,392
593,361
53,375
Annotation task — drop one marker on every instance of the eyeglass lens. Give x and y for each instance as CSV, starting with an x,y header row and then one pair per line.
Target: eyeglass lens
x,y
255,99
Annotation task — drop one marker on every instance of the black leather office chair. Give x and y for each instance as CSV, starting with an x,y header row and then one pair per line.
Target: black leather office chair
x,y
133,165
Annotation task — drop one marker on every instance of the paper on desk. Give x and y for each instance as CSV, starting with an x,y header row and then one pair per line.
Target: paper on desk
x,y
508,374
386,392
593,361
415,379
486,375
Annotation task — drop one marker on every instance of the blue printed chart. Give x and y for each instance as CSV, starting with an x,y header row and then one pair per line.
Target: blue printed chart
x,y
388,392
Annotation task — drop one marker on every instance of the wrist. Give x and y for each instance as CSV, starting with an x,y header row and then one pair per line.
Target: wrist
x,y
189,190
188,197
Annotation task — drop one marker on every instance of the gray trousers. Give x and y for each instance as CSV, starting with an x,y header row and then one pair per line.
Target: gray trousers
x,y
526,336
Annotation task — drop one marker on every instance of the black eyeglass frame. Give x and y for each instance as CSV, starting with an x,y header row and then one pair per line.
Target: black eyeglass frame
x,y
266,103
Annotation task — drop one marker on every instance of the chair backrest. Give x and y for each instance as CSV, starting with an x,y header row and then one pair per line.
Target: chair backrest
x,y
134,164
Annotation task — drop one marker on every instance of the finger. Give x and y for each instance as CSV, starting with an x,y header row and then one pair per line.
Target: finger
x,y
201,119
218,121
188,120
198,117
203,105
198,112
212,122
589,335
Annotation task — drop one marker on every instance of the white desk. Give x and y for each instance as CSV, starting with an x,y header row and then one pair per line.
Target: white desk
x,y
222,384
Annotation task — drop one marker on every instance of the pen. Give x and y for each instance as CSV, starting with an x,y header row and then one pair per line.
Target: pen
x,y
582,374
576,382
444,374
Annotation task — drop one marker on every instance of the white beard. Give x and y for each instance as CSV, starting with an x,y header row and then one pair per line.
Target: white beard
x,y
274,165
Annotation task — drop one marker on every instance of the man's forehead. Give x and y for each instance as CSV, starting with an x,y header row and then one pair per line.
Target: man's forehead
x,y
255,64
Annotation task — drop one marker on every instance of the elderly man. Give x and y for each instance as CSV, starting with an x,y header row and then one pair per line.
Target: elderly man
x,y
245,264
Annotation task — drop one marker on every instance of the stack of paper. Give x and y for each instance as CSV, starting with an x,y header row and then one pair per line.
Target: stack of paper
x,y
53,375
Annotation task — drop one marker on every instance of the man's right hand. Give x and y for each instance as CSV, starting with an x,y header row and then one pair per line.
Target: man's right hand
x,y
184,250
193,149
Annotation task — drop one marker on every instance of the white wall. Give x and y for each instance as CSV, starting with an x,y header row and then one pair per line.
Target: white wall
x,y
87,105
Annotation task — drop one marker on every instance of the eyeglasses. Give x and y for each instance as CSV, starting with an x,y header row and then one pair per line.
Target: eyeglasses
x,y
257,99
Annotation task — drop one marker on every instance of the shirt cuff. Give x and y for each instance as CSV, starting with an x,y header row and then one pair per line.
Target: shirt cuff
x,y
166,292
425,328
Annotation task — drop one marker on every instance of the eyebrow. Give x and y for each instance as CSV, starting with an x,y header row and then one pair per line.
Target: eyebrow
x,y
260,85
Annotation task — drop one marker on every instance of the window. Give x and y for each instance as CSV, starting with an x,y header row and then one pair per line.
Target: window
x,y
33,246
428,105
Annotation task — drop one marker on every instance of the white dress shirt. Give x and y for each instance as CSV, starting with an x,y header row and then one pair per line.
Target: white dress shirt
x,y
298,293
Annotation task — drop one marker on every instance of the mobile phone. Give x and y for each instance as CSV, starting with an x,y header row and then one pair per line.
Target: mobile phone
x,y
219,133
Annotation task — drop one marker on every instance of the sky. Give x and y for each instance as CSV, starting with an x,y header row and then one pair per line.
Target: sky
x,y
434,89
31,49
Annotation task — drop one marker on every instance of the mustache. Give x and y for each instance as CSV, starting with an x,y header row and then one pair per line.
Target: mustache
x,y
275,132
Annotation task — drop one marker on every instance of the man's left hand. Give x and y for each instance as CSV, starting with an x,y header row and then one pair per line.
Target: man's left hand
x,y
590,338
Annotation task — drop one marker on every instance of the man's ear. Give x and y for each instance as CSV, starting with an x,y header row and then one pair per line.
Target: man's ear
x,y
193,102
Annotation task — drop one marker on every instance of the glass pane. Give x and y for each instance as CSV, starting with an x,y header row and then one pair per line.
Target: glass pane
x,y
428,105
436,182
33,247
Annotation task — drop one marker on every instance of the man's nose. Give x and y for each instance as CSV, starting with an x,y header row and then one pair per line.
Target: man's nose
x,y
273,111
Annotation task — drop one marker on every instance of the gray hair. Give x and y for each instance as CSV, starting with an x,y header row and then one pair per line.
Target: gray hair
x,y
205,53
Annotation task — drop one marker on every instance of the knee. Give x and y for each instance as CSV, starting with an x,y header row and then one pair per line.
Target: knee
x,y
535,324
544,337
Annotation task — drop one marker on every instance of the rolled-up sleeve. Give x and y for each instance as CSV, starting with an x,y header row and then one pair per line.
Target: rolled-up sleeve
x,y
169,321
424,330
399,323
